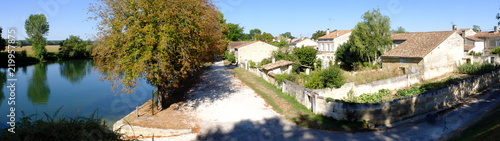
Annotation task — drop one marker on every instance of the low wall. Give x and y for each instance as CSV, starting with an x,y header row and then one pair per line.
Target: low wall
x,y
372,87
387,113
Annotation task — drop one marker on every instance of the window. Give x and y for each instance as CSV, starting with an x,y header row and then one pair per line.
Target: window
x,y
497,43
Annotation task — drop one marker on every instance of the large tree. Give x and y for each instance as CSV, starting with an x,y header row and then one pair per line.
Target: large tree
x,y
265,37
164,41
235,32
254,32
318,34
371,37
287,35
36,28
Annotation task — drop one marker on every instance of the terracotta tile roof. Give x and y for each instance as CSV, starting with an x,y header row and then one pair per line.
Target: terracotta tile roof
x,y
474,38
238,44
334,34
401,36
487,34
418,44
469,47
296,41
276,64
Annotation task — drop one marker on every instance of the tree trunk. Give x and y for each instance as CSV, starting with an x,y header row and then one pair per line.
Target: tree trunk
x,y
163,94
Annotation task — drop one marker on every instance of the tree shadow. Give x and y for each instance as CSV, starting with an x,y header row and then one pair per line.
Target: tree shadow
x,y
215,83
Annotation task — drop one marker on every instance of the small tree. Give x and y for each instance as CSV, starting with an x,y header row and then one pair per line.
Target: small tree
x,y
2,41
317,34
305,55
74,47
330,77
476,28
36,28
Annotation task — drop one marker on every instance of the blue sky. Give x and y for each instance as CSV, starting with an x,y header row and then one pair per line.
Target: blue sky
x,y
300,17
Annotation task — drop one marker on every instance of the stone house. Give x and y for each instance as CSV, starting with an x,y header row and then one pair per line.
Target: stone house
x,y
303,42
431,53
254,51
328,45
491,39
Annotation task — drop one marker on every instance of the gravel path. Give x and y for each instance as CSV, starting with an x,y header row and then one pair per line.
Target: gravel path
x,y
227,109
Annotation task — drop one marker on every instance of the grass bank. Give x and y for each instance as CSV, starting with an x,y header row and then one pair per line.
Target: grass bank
x,y
291,108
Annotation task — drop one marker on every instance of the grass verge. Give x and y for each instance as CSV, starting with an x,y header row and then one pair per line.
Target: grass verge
x,y
291,108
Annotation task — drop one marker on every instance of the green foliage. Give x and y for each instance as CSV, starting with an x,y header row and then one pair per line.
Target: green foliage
x,y
496,50
410,91
475,54
330,77
317,34
254,32
75,47
3,42
284,55
63,128
290,77
305,55
476,68
265,37
287,35
164,42
344,56
265,61
252,64
235,32
318,62
329,99
370,98
36,28
399,30
439,84
476,28
282,43
369,39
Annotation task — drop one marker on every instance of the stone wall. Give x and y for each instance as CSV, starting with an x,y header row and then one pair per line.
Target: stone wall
x,y
372,87
387,113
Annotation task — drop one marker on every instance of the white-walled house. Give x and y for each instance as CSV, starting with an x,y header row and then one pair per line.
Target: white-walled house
x,y
431,53
304,42
328,45
253,51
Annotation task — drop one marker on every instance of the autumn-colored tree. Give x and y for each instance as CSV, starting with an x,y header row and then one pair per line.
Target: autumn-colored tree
x,y
162,41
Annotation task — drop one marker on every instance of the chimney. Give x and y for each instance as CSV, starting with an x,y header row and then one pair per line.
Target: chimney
x,y
454,27
495,29
463,34
336,34
327,31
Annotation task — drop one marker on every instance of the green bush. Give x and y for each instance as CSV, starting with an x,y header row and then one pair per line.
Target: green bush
x,y
370,98
410,91
282,77
496,50
330,77
252,64
476,68
265,61
230,57
64,128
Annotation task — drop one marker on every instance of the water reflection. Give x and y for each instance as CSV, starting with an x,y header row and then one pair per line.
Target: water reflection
x,y
38,89
75,71
3,79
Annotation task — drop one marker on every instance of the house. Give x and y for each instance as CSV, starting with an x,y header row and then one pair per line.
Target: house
x,y
279,67
328,44
254,51
491,39
431,53
304,42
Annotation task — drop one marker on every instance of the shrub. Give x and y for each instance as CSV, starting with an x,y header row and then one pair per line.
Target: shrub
x,y
282,77
477,68
332,77
410,91
370,98
252,64
64,128
496,50
265,61
305,55
230,57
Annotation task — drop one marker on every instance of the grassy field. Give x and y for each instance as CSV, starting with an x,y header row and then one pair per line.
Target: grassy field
x,y
291,108
29,51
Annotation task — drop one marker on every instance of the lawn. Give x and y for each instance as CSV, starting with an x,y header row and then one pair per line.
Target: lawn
x,y
29,51
291,108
